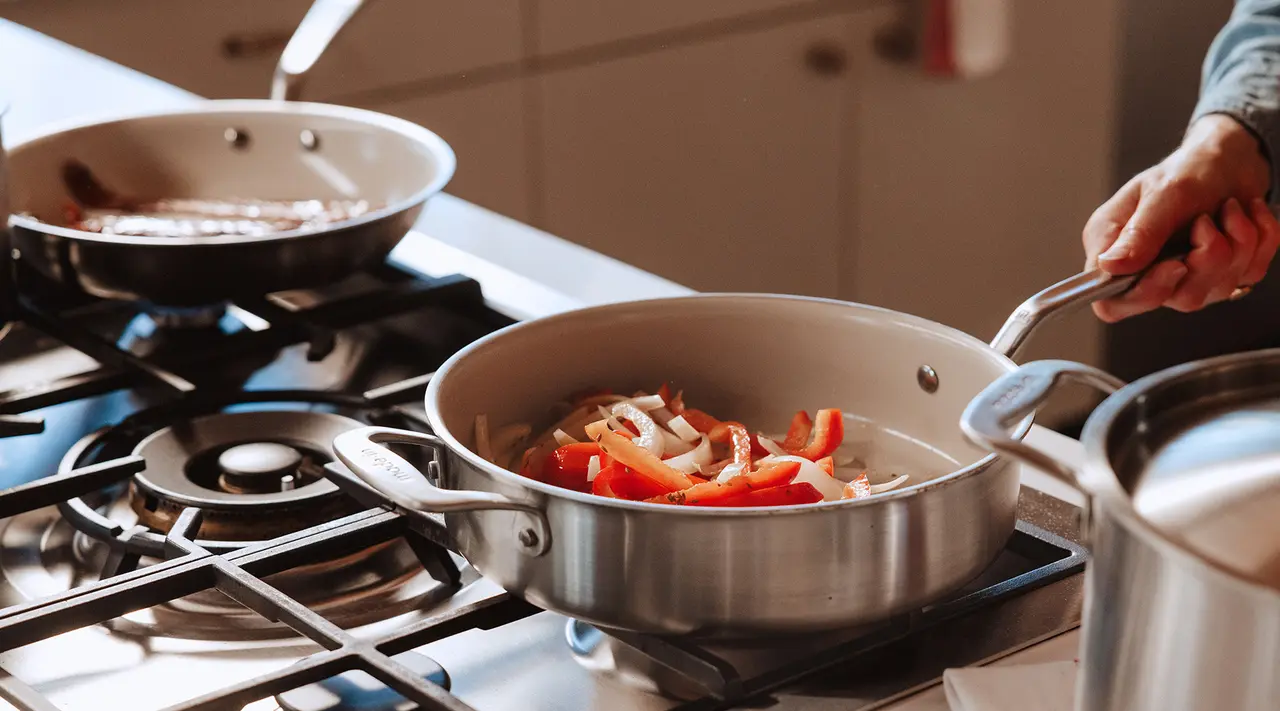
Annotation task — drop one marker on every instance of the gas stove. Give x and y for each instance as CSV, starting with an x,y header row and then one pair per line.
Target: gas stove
x,y
174,533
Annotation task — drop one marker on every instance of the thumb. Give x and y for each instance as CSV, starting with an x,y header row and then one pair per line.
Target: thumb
x,y
1158,216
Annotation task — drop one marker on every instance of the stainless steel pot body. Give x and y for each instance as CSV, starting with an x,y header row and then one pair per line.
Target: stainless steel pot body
x,y
222,149
1183,605
723,572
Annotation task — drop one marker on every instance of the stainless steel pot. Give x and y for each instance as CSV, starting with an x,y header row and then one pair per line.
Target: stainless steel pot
x,y
265,149
756,358
1183,480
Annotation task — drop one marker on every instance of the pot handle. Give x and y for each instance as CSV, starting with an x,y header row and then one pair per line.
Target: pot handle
x,y
1015,395
362,452
1083,288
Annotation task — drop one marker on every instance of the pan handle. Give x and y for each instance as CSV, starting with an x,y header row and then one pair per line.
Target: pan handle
x,y
1083,288
987,420
400,482
318,28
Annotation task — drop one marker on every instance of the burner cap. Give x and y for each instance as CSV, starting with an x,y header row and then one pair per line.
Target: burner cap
x,y
259,467
256,474
358,690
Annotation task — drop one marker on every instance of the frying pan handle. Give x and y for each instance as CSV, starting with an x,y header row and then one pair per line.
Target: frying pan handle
x,y
400,482
1015,395
1083,288
318,28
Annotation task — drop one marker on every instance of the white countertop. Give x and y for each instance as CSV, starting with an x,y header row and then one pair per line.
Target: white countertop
x,y
523,272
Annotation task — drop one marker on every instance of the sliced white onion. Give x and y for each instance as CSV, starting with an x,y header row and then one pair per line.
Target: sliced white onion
x,y
483,447
508,442
889,485
650,434
647,403
691,462
810,473
563,438
612,421
593,467
771,446
661,415
729,472
682,429
843,461
673,444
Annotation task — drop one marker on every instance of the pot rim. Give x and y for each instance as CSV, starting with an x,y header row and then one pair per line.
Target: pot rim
x,y
440,150
1101,484
494,471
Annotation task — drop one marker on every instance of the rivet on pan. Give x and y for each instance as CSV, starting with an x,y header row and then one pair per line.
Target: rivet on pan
x,y
528,538
237,137
927,377
310,141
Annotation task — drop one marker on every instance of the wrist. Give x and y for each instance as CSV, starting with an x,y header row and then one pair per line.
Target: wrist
x,y
1225,139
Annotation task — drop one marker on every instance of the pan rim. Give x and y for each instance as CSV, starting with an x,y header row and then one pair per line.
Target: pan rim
x,y
435,145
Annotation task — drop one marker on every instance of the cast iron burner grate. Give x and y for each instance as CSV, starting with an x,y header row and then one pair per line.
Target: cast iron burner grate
x,y
238,571
381,292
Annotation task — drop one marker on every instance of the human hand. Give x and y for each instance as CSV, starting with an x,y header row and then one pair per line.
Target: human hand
x,y
1218,170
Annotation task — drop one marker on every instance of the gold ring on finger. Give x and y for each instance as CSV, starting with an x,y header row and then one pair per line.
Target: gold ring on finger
x,y
1240,292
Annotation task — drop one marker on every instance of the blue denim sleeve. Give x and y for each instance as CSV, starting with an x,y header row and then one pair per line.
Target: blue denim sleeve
x,y
1241,75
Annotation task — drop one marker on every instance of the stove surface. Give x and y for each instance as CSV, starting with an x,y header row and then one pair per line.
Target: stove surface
x,y
178,537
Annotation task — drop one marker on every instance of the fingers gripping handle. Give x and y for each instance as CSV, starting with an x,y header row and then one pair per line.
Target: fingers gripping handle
x,y
392,476
1011,398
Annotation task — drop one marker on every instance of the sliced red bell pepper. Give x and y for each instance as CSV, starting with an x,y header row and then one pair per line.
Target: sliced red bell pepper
x,y
742,441
723,432
664,392
700,420
631,455
828,465
567,466
828,433
798,434
619,482
770,475
788,495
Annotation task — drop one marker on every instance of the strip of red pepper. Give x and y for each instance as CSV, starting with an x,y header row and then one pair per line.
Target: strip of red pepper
x,y
828,433
798,433
718,431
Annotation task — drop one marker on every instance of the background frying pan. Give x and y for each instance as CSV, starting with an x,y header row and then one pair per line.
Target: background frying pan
x,y
247,149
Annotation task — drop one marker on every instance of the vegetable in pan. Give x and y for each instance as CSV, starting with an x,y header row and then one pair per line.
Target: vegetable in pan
x,y
655,448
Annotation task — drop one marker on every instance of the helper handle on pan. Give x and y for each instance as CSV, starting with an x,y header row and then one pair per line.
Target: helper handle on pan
x,y
362,452
319,26
987,420
1083,288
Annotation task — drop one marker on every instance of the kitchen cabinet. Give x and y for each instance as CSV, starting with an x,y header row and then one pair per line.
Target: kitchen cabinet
x,y
229,48
715,164
564,25
485,125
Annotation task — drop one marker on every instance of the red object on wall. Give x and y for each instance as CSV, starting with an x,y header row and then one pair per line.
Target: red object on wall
x,y
939,39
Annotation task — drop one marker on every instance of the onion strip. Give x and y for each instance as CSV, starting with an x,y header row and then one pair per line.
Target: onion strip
x,y
650,434
691,462
889,485
563,438
681,428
